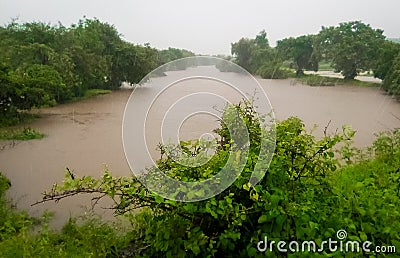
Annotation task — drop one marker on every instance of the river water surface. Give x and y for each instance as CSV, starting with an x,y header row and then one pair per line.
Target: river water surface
x,y
86,136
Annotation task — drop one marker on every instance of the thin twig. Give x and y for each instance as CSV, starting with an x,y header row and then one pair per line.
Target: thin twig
x,y
326,128
65,194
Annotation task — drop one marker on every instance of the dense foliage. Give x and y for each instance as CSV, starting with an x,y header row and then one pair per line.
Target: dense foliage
x,y
42,65
21,134
301,50
24,236
312,189
392,79
257,57
350,48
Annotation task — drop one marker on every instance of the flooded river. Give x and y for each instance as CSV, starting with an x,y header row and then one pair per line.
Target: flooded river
x,y
87,135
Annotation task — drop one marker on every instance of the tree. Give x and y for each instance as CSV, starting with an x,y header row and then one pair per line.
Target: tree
x,y
34,87
391,83
130,63
261,40
242,51
93,44
167,55
251,54
171,54
352,47
89,54
388,52
47,78
301,51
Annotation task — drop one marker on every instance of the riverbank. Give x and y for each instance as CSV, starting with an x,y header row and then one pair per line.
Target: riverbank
x,y
83,136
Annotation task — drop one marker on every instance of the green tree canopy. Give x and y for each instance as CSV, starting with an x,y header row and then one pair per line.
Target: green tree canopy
x,y
242,51
391,82
352,47
251,54
43,64
301,51
387,54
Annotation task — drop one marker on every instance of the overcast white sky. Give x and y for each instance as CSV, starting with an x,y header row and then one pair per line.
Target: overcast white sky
x,y
208,26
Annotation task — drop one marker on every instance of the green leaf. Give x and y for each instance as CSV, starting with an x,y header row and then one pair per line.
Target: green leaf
x,y
251,251
158,199
200,193
359,185
262,219
363,236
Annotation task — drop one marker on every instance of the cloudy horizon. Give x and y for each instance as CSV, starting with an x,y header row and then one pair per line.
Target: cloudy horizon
x,y
207,27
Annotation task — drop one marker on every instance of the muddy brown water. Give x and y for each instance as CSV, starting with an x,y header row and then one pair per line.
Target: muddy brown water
x,y
87,136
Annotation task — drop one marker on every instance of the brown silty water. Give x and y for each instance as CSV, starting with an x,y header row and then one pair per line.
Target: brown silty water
x,y
86,136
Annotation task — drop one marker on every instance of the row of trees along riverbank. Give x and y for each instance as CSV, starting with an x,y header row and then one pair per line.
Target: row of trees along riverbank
x,y
42,64
350,48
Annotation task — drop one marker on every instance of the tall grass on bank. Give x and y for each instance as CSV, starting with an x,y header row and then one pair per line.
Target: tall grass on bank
x,y
20,134
318,80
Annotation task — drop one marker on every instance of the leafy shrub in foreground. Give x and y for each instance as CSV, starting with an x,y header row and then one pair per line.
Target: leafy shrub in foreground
x,y
302,197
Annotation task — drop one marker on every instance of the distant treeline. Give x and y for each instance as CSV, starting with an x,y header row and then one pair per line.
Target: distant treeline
x,y
351,48
42,64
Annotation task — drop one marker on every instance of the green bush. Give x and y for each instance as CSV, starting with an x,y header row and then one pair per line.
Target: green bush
x,y
317,80
93,92
13,119
391,83
368,193
24,236
274,70
90,238
20,134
